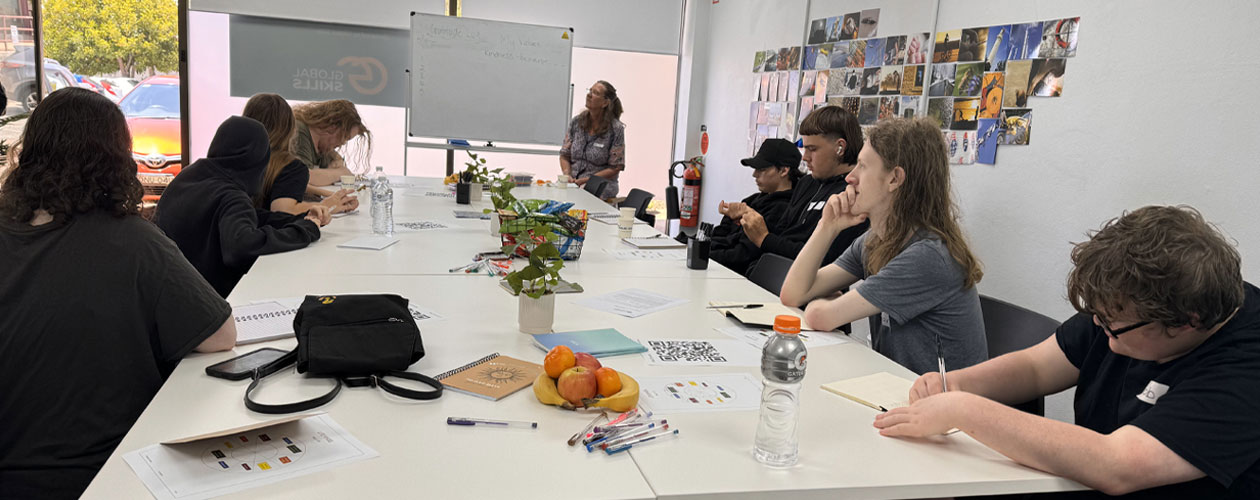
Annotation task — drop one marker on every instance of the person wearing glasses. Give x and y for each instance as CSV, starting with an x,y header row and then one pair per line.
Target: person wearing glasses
x,y
1164,354
595,142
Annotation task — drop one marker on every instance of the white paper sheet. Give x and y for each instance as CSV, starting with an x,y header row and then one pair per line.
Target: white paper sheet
x,y
370,242
643,254
234,463
631,302
654,242
757,337
699,393
700,352
419,225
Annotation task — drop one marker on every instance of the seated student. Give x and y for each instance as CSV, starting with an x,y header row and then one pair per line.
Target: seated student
x,y
96,305
920,278
776,168
285,180
1164,354
208,210
322,128
832,140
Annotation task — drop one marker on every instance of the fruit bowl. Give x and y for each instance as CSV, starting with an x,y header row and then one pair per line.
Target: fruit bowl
x,y
624,400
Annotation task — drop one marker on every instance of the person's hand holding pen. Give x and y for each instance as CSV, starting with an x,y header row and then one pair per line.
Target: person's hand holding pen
x,y
928,384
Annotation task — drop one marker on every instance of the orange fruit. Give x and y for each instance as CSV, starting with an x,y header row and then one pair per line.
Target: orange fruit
x,y
608,381
558,360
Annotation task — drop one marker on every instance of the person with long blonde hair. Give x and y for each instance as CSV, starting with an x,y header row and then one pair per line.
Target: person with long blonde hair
x,y
285,181
919,276
323,129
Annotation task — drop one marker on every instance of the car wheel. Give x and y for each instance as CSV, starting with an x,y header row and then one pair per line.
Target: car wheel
x,y
30,101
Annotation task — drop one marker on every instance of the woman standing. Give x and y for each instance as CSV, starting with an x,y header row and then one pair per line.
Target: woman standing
x,y
322,128
285,180
595,143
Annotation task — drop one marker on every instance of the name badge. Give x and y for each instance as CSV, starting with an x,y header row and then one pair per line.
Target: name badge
x,y
598,144
1154,391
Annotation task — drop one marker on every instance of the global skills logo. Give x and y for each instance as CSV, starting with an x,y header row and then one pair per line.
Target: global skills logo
x,y
370,77
365,75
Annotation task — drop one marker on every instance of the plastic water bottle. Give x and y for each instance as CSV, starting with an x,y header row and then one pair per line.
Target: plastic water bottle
x,y
382,204
783,367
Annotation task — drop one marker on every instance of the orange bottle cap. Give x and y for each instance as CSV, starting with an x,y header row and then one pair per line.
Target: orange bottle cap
x,y
785,323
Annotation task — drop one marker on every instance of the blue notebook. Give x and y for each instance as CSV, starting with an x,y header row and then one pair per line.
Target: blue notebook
x,y
600,343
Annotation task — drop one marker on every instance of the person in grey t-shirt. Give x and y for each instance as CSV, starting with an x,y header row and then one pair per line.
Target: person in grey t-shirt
x,y
919,276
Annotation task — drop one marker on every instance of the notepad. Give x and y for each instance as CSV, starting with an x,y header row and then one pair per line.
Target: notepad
x,y
654,242
882,391
263,321
491,377
762,316
599,343
370,242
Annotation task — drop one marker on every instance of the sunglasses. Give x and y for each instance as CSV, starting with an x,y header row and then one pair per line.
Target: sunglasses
x,y
1116,333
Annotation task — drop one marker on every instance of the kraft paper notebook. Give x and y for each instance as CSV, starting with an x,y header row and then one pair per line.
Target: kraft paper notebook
x,y
491,377
762,316
882,391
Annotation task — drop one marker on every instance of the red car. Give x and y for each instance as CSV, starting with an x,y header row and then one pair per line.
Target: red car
x,y
152,111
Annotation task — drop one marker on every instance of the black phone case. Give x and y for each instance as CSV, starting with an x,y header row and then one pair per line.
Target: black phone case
x,y
217,372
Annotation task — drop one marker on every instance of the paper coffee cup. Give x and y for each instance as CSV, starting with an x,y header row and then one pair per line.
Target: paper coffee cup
x,y
625,222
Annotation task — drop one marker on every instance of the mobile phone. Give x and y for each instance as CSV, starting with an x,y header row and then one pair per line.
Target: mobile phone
x,y
241,367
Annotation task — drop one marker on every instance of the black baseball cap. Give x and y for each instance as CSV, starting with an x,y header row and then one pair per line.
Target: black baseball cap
x,y
775,153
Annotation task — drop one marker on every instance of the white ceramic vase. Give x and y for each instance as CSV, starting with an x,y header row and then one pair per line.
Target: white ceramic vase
x,y
537,315
495,224
474,191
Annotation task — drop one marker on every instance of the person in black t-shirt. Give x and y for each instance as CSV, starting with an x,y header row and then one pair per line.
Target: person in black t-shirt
x,y
1165,357
97,307
284,184
776,168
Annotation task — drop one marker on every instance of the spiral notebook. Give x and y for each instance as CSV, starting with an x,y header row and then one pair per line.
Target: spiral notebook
x,y
263,321
491,377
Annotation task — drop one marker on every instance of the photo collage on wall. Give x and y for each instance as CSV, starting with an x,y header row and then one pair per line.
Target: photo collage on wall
x,y
982,78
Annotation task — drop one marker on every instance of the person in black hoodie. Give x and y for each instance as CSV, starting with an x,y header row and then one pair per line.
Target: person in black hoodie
x,y
832,141
776,168
208,210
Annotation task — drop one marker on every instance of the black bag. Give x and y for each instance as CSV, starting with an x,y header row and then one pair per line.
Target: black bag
x,y
354,339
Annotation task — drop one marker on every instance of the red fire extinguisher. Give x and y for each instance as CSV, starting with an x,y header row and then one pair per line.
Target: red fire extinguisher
x,y
690,210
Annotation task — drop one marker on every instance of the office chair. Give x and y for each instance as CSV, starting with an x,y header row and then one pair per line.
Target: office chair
x,y
639,199
595,185
769,272
1010,328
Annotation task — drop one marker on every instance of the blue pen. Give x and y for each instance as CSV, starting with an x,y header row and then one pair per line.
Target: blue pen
x,y
627,446
637,433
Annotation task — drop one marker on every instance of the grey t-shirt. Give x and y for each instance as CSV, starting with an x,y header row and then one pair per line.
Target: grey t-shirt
x,y
920,293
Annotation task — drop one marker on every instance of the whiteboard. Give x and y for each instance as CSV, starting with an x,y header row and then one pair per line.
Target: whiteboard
x,y
489,80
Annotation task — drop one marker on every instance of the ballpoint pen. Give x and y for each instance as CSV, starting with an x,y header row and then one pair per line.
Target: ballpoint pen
x,y
940,364
626,446
737,306
574,439
490,423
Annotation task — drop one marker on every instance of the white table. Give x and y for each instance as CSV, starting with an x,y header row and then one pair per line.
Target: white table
x,y
841,454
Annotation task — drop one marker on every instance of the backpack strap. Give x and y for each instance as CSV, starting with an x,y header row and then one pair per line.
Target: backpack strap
x,y
276,366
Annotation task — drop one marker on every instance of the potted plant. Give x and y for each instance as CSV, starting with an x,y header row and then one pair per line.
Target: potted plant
x,y
536,282
502,198
478,175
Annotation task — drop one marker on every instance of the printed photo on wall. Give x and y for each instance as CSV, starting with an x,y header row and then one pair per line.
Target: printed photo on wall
x,y
868,25
968,78
772,60
971,44
852,84
868,113
820,85
810,58
875,53
774,116
941,111
763,113
916,48
1058,38
849,26
807,105
942,80
782,61
890,80
1017,76
1019,34
759,61
857,53
946,49
1016,124
823,60
889,107
807,83
962,147
785,85
998,48
850,104
870,81
1032,40
966,113
835,81
839,55
794,58
987,134
894,50
1046,77
991,95
756,88
912,80
910,106
817,31
794,86
764,95
833,29
773,95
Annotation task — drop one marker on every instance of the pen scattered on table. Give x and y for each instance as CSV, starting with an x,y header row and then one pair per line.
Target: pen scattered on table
x,y
737,306
491,423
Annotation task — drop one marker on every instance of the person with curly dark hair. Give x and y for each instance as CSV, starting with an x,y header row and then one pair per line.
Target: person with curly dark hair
x,y
97,307
209,208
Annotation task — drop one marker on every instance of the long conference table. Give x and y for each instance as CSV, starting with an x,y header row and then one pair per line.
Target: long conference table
x,y
841,454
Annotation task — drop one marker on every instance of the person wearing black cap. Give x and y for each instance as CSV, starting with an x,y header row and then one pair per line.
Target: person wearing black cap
x,y
776,168
208,210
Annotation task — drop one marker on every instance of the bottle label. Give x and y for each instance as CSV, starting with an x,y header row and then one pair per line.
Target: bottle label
x,y
800,363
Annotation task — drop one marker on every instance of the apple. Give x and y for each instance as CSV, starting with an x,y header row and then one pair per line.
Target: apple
x,y
585,359
576,384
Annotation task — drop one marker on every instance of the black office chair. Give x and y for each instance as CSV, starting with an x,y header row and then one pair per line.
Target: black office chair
x,y
769,272
595,185
1010,328
639,199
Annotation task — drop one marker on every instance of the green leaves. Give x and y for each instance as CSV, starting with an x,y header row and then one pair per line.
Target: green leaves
x,y
104,36
541,275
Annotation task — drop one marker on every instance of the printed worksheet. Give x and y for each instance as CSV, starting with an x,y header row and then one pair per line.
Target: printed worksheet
x,y
697,393
419,225
631,302
757,337
709,352
235,462
647,254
